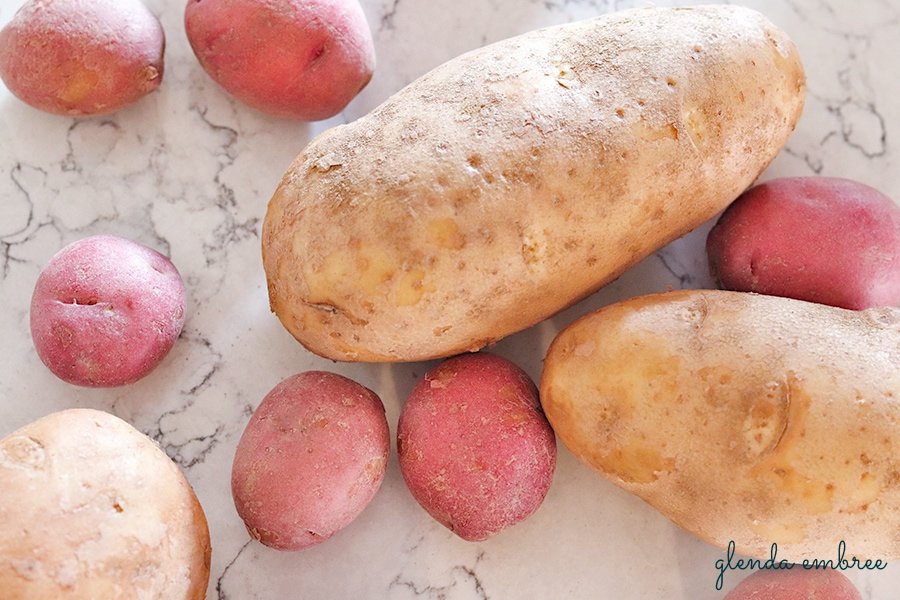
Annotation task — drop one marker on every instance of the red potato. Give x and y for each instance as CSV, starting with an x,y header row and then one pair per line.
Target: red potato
x,y
311,458
302,59
105,311
475,448
795,584
82,57
820,239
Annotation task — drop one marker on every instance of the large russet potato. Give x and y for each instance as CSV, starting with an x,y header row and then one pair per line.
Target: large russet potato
x,y
516,179
741,417
91,508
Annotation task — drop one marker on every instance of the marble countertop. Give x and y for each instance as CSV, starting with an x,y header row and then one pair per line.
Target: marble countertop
x,y
189,171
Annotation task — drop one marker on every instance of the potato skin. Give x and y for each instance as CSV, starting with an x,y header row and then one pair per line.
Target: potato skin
x,y
301,59
92,508
740,417
82,57
311,458
105,311
796,584
516,179
475,449
818,239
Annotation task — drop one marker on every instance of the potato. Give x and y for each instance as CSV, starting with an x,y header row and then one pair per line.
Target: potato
x,y
795,584
310,460
475,449
82,57
303,59
820,239
105,311
740,417
516,179
91,508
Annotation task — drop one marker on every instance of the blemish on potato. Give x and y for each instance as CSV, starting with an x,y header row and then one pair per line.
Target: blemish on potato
x,y
63,333
23,452
765,424
411,286
696,125
445,233
635,462
80,84
865,492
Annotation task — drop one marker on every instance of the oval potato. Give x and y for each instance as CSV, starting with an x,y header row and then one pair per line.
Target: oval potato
x,y
91,508
516,179
82,57
740,417
301,59
310,460
820,239
475,450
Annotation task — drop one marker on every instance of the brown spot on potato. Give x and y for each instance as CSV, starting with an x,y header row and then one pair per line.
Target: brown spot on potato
x,y
24,452
80,84
635,462
445,233
411,287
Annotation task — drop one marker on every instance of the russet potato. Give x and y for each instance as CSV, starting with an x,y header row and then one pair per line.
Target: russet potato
x,y
92,508
744,418
516,179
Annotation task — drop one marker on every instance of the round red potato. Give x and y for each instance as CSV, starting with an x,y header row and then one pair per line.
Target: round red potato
x,y
82,57
820,239
475,448
106,311
795,584
311,458
302,59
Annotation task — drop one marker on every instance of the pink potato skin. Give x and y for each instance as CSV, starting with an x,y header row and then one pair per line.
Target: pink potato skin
x,y
795,584
310,460
82,57
819,239
106,311
300,59
475,449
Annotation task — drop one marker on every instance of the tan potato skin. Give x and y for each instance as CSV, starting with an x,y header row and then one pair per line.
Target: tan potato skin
x,y
741,417
516,179
91,508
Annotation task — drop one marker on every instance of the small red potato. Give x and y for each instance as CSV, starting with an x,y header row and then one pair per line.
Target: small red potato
x,y
82,57
301,59
475,448
106,311
795,584
820,239
311,458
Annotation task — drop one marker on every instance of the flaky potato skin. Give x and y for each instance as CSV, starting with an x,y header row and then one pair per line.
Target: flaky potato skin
x,y
516,179
740,417
91,508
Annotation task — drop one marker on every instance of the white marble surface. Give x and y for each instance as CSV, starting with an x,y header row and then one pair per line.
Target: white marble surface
x,y
189,171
